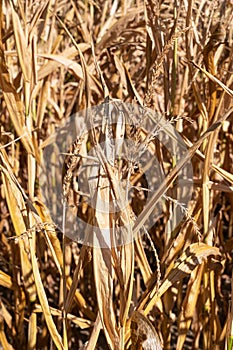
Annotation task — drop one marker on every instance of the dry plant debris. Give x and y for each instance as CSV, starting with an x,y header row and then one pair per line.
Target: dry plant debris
x,y
171,287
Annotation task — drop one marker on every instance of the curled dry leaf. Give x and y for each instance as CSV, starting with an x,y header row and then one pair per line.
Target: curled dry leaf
x,y
143,333
189,260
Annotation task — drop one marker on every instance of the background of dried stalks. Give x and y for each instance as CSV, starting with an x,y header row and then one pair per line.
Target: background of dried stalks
x,y
146,52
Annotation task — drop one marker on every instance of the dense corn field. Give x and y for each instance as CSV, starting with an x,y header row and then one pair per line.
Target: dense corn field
x,y
163,279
